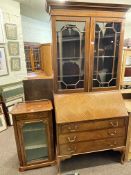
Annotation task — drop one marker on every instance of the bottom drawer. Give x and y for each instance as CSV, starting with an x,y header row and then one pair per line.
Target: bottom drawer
x,y
81,147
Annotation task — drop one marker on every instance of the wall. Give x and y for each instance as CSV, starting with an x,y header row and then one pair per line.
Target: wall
x,y
128,26
35,30
11,14
40,32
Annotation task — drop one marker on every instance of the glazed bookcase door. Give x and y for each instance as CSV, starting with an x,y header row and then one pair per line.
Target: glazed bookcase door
x,y
35,141
106,53
69,62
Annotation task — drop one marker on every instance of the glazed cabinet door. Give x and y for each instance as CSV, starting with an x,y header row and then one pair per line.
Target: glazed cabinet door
x,y
70,37
34,140
106,53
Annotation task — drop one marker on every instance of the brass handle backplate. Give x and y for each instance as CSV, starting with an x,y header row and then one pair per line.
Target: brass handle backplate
x,y
73,128
72,149
114,123
73,139
113,144
112,133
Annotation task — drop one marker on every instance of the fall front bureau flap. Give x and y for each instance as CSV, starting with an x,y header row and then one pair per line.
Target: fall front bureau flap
x,y
88,106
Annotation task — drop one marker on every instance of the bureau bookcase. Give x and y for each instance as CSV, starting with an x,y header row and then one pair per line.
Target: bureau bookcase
x,y
87,42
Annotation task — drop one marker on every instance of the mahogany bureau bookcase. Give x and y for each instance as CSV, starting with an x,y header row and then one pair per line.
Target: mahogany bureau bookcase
x,y
33,128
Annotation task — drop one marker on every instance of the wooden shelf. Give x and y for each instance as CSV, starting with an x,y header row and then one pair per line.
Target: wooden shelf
x,y
104,56
72,39
32,130
108,36
70,58
36,146
71,76
38,75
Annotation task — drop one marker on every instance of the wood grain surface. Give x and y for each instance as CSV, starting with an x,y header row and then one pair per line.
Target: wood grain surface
x,y
89,106
34,106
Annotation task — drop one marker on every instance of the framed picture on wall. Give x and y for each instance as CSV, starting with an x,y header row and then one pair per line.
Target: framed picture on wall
x,y
10,105
2,38
11,31
3,124
3,62
13,48
15,64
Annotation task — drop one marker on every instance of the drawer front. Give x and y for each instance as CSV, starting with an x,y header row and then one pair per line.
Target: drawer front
x,y
34,115
82,147
91,125
92,135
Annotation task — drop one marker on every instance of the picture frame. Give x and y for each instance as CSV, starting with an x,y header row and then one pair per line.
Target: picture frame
x,y
10,105
3,124
2,36
3,62
13,48
11,31
15,64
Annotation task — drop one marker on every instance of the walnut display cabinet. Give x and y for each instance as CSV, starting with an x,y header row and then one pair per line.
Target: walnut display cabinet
x,y
87,45
34,134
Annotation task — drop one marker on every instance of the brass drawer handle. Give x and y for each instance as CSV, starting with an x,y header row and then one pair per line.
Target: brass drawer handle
x,y
72,139
72,149
112,133
113,144
114,124
73,128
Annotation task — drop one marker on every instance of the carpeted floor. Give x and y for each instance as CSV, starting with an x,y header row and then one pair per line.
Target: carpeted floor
x,y
104,163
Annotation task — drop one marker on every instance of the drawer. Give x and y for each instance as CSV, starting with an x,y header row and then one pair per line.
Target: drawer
x,y
91,125
83,147
92,135
34,115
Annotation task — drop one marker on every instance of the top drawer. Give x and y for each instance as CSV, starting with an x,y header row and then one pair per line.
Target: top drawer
x,y
91,125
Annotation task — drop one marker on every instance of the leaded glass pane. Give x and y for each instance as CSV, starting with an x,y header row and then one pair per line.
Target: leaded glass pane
x,y
107,38
70,54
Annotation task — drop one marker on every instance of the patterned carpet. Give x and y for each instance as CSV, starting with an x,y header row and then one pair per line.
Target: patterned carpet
x,y
105,163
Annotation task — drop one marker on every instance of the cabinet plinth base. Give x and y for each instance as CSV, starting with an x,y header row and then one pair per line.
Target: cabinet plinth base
x,y
35,166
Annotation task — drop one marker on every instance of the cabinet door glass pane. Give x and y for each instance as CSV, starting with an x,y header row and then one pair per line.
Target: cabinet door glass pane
x,y
70,54
35,141
107,39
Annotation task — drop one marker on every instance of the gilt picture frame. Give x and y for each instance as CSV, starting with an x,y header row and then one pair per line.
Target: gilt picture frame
x,y
3,62
10,106
13,48
15,64
11,31
2,36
